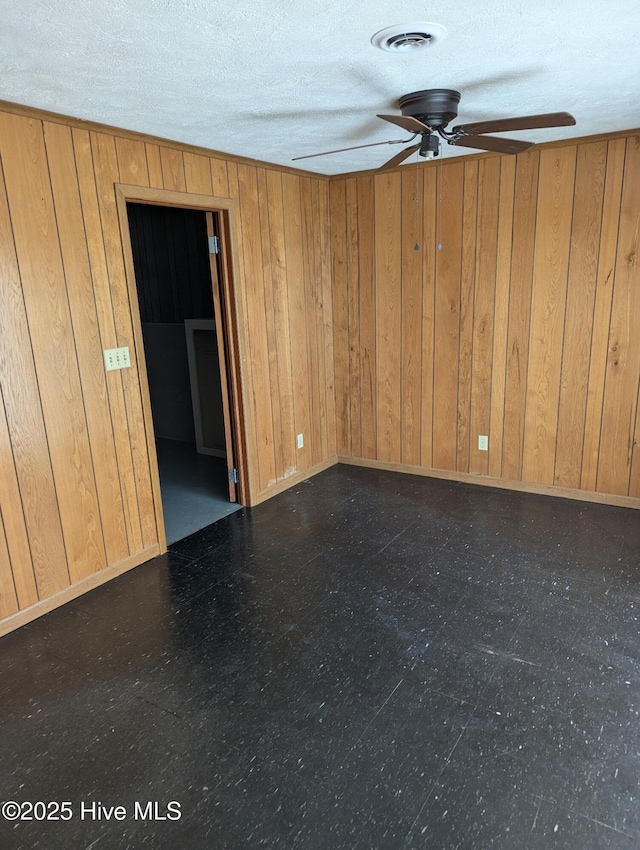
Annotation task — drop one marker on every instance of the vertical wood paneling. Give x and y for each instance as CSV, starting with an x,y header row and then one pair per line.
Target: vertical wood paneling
x,y
172,164
270,316
501,313
338,211
254,293
132,162
108,334
46,302
8,597
411,316
550,267
197,174
353,319
583,268
522,252
447,314
602,311
219,177
469,229
13,515
154,166
520,335
329,431
132,426
430,251
75,482
367,290
310,239
623,362
66,195
388,240
283,390
298,333
484,308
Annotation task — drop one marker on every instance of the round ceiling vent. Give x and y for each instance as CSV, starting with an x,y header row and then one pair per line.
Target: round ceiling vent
x,y
407,38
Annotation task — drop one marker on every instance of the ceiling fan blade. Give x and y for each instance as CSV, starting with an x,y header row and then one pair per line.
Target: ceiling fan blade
x,y
492,143
353,148
399,157
407,123
526,122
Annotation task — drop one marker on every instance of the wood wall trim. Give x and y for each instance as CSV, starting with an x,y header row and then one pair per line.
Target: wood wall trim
x,y
26,615
94,126
499,483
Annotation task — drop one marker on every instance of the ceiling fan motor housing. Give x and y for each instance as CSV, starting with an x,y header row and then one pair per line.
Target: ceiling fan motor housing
x,y
433,107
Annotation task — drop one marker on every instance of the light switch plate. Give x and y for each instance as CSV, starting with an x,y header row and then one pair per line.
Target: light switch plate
x,y
116,358
483,443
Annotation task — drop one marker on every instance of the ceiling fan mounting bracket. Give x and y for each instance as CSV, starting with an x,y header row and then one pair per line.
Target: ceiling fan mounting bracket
x,y
433,107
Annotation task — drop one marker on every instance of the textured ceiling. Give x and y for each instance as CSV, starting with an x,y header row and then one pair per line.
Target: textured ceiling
x,y
272,80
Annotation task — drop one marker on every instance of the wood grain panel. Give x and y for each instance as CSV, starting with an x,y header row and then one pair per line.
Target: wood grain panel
x,y
132,161
46,301
353,319
469,232
197,174
108,335
553,228
297,313
447,314
583,268
501,313
270,316
310,250
13,516
484,309
602,311
367,323
172,163
522,252
258,345
154,166
338,211
219,177
388,190
8,596
106,175
411,315
430,251
329,429
623,363
283,389
75,258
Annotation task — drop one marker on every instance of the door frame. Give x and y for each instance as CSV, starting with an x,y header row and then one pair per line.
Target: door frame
x,y
225,208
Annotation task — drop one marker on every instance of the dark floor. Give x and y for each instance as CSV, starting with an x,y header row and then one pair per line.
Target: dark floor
x,y
194,487
369,660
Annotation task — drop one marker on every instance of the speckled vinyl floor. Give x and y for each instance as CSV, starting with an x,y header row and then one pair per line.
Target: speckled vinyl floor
x,y
369,660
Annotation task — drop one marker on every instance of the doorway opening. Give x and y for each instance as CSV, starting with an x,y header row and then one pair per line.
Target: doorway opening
x,y
177,267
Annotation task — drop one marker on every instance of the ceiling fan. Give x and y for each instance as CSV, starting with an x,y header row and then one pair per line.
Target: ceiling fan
x,y
427,114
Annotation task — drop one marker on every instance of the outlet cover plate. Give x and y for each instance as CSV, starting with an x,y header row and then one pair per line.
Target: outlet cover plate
x,y
483,443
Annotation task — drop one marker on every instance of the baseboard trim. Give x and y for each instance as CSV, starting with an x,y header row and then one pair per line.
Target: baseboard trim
x,y
21,618
501,483
292,480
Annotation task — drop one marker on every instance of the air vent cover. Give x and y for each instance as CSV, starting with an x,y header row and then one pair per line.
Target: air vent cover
x,y
407,38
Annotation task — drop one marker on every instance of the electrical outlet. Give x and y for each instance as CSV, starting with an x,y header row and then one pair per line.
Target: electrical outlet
x,y
300,441
483,443
116,358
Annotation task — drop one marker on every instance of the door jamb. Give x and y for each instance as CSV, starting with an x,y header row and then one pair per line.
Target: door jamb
x,y
229,295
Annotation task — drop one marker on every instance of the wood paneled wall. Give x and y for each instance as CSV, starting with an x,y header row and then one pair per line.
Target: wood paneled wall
x,y
76,496
496,296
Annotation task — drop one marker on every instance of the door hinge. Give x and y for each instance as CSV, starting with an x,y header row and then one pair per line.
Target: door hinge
x,y
214,244
233,476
